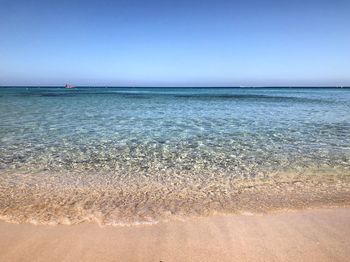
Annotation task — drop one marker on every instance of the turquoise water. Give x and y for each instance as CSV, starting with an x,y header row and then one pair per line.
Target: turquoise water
x,y
184,138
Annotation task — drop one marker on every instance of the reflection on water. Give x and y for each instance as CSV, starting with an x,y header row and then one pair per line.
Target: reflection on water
x,y
136,153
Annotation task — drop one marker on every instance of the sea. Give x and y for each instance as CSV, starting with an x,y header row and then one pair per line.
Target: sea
x,y
123,156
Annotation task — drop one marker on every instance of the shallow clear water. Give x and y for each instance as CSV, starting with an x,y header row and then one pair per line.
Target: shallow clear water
x,y
176,139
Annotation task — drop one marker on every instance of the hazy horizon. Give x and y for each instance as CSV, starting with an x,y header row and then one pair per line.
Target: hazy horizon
x,y
170,87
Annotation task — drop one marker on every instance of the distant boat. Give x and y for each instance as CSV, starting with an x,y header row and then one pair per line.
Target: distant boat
x,y
69,86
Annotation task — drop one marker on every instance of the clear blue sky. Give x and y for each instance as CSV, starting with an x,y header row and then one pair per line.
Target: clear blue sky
x,y
175,43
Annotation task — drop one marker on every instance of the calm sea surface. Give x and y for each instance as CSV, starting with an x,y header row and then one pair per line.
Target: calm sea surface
x,y
184,139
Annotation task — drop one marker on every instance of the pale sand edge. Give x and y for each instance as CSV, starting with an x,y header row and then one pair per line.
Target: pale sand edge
x,y
304,235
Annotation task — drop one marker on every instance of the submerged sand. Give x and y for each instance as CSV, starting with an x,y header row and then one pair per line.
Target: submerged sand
x,y
67,198
308,235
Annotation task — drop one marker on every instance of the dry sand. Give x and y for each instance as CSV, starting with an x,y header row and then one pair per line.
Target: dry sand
x,y
309,235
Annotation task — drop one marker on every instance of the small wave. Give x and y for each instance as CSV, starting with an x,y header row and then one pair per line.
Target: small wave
x,y
69,199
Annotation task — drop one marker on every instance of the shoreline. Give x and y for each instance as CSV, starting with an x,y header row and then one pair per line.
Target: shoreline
x,y
320,234
183,219
36,200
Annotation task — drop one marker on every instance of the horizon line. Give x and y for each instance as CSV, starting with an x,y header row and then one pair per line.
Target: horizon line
x,y
149,86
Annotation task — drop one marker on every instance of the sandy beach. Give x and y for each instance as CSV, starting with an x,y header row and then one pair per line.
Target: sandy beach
x,y
306,235
174,131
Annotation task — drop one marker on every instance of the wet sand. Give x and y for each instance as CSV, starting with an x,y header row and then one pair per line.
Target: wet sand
x,y
308,235
57,198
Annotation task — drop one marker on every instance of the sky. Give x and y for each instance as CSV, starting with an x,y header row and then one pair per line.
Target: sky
x,y
175,43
